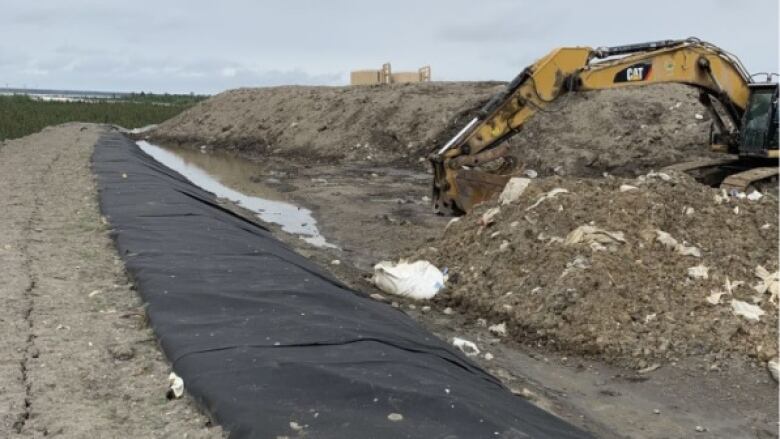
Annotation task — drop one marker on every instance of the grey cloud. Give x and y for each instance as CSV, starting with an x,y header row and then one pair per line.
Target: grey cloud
x,y
207,46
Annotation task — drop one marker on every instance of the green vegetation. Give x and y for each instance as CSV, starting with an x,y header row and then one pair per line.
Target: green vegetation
x,y
21,115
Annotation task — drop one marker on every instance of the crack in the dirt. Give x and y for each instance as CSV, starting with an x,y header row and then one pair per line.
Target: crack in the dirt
x,y
27,264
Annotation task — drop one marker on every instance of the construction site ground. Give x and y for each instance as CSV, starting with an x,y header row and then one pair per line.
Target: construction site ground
x,y
365,180
375,213
356,158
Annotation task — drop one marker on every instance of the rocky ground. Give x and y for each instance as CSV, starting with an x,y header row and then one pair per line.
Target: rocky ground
x,y
77,357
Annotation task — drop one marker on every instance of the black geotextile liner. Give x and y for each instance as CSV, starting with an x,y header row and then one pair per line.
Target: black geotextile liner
x,y
270,344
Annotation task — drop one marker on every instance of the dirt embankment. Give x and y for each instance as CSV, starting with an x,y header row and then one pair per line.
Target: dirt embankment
x,y
382,123
595,269
622,131
78,358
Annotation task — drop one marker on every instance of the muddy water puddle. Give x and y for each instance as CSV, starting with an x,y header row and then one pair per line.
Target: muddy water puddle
x,y
225,181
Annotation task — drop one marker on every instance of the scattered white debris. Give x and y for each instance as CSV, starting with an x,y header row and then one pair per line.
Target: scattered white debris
x,y
736,210
627,188
772,365
94,293
730,286
662,175
488,356
698,116
378,297
488,217
547,196
770,282
418,280
746,310
335,262
689,211
530,173
395,417
504,245
700,429
467,347
668,240
498,329
448,311
649,368
451,222
176,389
296,426
513,190
755,196
698,272
714,297
593,235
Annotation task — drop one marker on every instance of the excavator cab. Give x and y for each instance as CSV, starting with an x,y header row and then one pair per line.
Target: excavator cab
x,y
760,124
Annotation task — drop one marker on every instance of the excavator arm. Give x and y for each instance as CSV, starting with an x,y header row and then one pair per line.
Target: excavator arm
x,y
458,184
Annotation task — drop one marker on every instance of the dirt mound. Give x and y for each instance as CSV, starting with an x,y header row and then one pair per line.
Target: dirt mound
x,y
622,131
355,123
632,286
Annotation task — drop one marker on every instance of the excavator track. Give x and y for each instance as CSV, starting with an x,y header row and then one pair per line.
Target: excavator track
x,y
741,181
731,173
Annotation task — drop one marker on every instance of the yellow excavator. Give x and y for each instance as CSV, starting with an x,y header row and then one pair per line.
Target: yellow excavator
x,y
477,163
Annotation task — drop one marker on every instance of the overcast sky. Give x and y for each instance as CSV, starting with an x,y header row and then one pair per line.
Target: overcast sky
x,y
207,46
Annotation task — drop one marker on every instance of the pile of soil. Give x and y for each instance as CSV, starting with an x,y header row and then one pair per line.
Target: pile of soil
x,y
367,123
628,298
625,132
621,131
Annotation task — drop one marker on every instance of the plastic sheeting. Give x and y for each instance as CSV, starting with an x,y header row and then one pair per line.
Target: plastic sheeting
x,y
270,344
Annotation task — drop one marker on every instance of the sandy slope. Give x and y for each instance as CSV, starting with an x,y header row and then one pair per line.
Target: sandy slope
x,y
77,358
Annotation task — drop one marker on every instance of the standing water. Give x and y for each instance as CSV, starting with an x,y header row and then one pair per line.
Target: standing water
x,y
293,219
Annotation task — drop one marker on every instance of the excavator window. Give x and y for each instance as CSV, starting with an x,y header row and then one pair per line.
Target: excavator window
x,y
758,127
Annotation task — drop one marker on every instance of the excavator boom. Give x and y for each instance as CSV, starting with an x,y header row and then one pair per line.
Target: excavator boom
x,y
458,184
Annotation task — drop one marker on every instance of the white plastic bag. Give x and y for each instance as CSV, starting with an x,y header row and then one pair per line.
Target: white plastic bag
x,y
418,280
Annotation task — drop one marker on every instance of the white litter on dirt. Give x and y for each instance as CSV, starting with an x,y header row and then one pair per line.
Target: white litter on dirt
x,y
488,217
395,417
417,280
770,283
714,297
547,196
699,272
596,237
668,240
746,310
627,188
176,389
730,286
498,329
513,190
467,347
755,196
451,222
774,368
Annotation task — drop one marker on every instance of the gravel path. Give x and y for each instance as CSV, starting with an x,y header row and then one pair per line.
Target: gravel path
x,y
76,356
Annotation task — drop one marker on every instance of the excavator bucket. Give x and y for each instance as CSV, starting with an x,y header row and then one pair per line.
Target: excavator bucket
x,y
474,187
458,191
